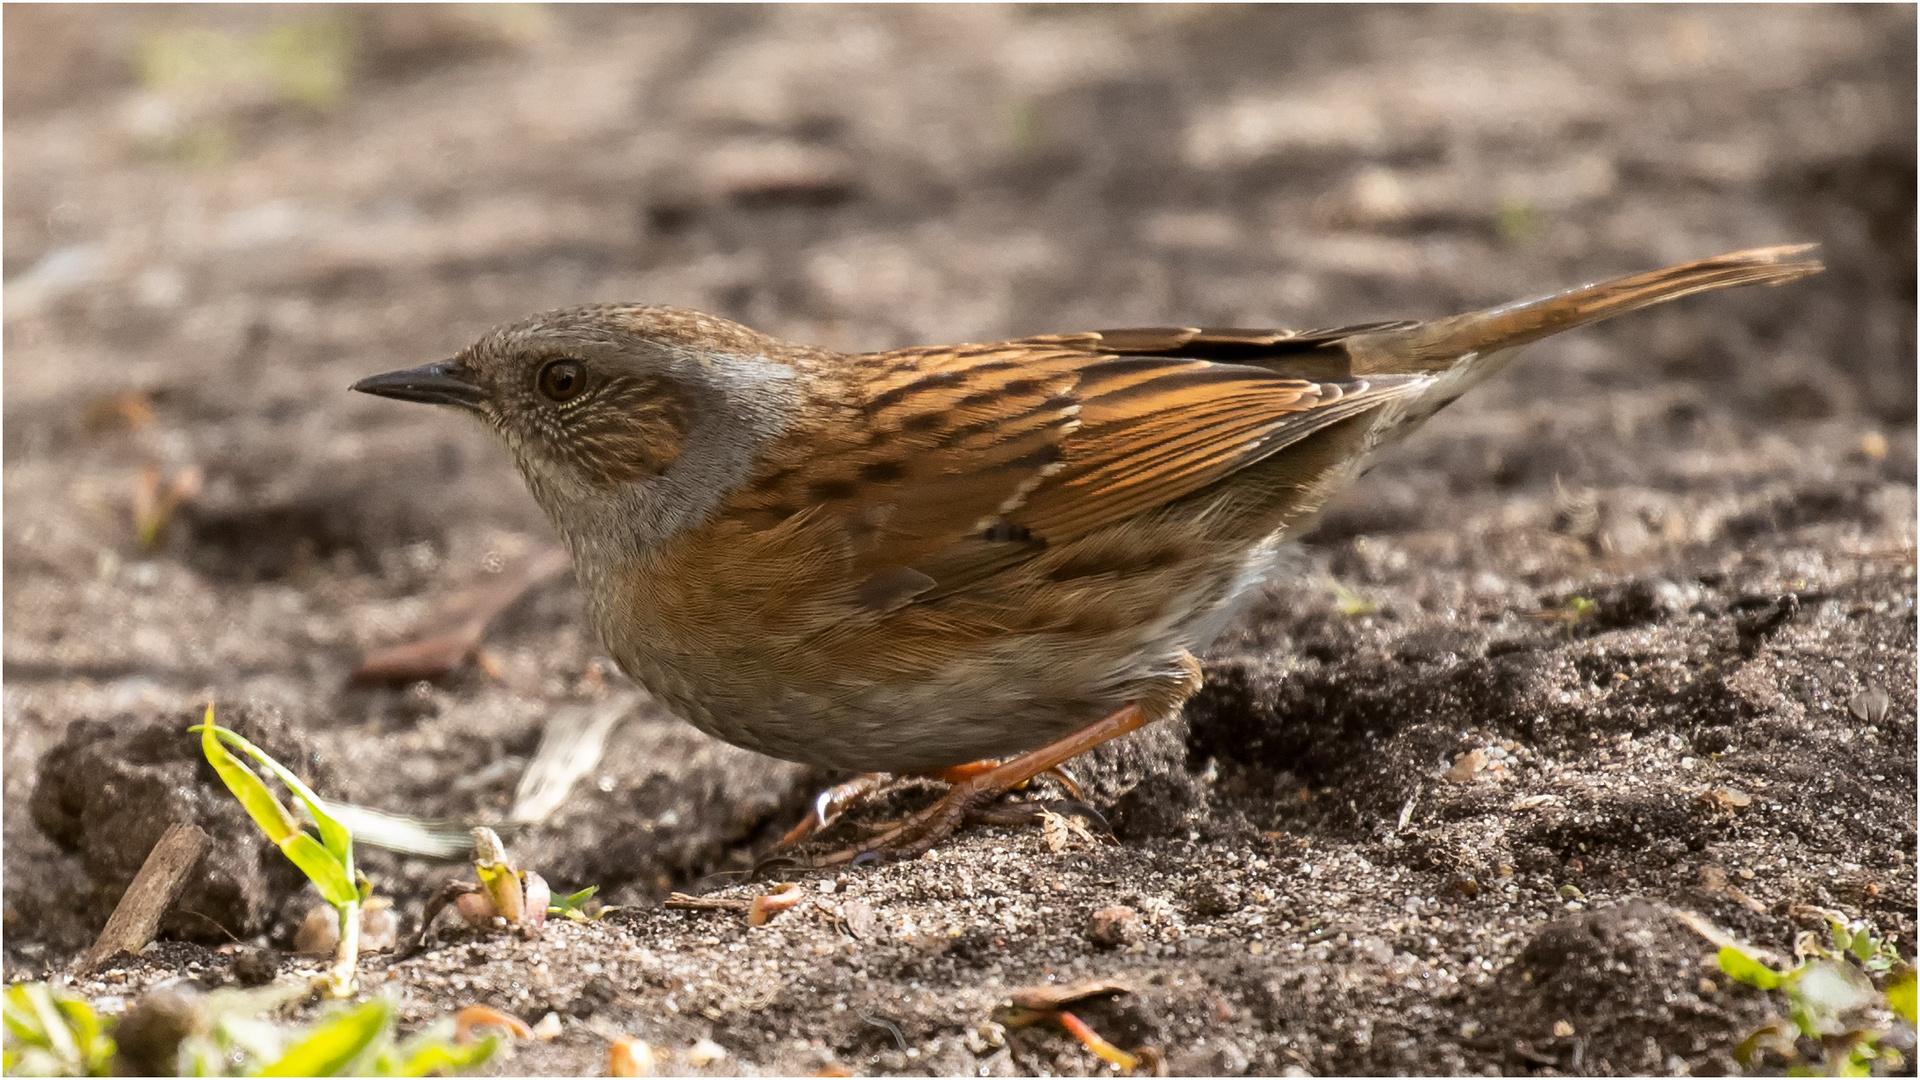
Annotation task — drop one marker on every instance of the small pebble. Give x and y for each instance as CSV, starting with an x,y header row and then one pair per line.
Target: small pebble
x,y
1112,927
705,1052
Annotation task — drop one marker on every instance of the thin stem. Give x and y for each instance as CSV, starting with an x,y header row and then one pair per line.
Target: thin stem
x,y
347,953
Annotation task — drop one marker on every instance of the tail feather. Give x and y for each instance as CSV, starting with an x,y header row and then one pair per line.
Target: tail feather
x,y
1437,345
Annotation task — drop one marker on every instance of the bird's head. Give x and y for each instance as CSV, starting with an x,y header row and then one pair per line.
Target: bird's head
x,y
628,422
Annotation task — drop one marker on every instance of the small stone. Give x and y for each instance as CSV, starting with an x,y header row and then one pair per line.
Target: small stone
x,y
1562,1029
548,1027
1870,704
1730,798
1112,927
1466,768
629,1056
150,1033
252,967
1209,899
379,925
319,931
860,918
706,1052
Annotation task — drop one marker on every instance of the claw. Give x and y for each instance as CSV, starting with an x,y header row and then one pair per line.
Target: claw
x,y
1072,784
829,805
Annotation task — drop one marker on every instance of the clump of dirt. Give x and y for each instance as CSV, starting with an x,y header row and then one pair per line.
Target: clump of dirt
x,y
111,788
1626,634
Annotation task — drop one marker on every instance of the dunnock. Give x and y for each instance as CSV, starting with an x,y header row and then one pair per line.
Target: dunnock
x,y
909,560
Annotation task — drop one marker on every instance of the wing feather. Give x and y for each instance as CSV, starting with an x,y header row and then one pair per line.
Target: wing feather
x,y
954,464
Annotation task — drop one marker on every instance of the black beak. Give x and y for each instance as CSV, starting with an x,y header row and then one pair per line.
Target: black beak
x,y
444,383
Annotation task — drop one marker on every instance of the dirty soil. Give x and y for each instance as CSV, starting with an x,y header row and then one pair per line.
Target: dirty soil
x,y
1628,632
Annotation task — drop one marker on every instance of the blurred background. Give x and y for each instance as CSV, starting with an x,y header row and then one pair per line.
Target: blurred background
x,y
217,217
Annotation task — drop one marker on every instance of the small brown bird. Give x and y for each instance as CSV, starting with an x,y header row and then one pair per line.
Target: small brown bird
x,y
910,560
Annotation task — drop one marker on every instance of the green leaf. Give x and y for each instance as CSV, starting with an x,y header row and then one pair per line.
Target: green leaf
x,y
335,835
23,1024
570,906
58,1037
94,1044
274,820
1350,602
335,1042
1900,995
1839,935
424,1057
327,862
1743,968
322,869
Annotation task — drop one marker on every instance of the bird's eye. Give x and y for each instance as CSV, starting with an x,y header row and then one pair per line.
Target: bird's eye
x,y
563,379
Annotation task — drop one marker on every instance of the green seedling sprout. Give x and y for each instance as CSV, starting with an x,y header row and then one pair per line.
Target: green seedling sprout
x,y
327,861
500,879
1831,1001
1350,603
574,906
358,1041
49,1033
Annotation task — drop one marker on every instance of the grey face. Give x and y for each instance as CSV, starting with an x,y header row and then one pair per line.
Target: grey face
x,y
625,432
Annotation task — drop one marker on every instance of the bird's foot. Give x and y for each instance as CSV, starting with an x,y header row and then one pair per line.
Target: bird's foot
x,y
973,797
828,805
838,799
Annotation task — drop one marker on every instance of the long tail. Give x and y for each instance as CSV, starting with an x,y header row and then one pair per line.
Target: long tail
x,y
1437,345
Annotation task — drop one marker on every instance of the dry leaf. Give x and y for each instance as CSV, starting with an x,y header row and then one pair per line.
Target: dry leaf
x,y
1729,798
155,501
1048,998
1059,830
683,902
769,904
476,1017
454,632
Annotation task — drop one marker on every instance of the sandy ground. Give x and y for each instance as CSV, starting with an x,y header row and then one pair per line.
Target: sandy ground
x,y
1627,632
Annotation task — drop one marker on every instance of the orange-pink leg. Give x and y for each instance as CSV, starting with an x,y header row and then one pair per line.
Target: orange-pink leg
x,y
834,801
928,827
960,774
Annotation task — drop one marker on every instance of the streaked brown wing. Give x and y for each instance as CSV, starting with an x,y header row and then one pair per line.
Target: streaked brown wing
x,y
933,444
1155,430
977,457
